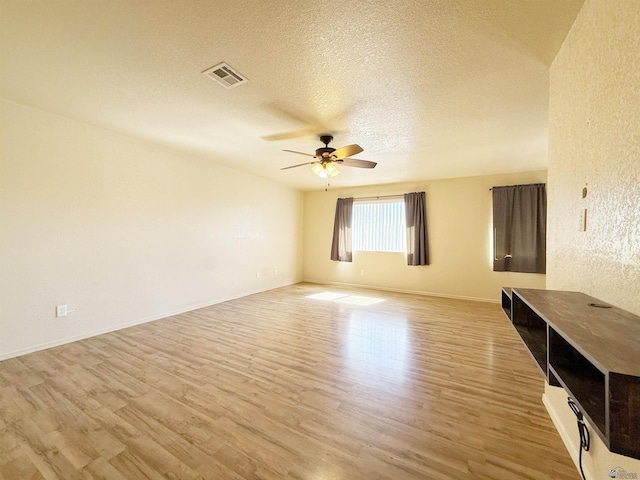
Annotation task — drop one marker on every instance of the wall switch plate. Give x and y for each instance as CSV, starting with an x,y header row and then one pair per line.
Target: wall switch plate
x,y
61,311
582,227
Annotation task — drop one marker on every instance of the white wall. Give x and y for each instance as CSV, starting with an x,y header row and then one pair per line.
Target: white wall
x,y
124,231
594,137
459,229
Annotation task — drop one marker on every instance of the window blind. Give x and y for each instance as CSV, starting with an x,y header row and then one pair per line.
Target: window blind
x,y
379,226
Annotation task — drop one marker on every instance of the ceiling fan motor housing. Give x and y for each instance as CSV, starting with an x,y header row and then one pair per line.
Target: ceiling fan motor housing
x,y
324,153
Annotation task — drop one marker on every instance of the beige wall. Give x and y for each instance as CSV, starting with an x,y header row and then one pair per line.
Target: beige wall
x,y
594,122
459,224
124,231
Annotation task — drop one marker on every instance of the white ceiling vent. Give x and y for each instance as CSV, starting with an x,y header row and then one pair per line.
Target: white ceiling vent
x,y
226,75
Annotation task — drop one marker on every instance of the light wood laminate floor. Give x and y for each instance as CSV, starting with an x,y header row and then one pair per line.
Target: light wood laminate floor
x,y
281,386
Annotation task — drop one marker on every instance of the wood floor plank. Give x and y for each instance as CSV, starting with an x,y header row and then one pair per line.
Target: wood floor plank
x,y
281,386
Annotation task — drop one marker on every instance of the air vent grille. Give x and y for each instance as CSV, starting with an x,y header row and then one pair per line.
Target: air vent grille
x,y
225,75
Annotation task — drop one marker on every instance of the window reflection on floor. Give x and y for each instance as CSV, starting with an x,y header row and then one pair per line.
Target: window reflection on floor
x,y
377,343
374,344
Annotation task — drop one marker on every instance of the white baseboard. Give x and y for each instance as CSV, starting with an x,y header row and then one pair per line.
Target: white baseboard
x,y
133,323
400,290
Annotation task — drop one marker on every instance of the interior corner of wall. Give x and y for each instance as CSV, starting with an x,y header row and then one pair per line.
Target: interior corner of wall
x,y
598,461
550,399
555,401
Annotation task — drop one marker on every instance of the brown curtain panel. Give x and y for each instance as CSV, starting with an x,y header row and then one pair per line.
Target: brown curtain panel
x,y
341,244
520,228
416,217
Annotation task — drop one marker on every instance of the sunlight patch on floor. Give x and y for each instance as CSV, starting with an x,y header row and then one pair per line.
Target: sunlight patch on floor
x,y
342,298
326,296
359,300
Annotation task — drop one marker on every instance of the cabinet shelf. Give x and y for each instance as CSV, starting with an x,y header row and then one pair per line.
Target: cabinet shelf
x,y
579,377
591,350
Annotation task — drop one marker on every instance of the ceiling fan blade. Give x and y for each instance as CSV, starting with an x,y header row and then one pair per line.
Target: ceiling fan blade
x,y
298,165
354,162
289,135
347,151
300,153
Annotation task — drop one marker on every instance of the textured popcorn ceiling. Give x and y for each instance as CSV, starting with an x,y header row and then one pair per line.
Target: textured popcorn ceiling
x,y
429,89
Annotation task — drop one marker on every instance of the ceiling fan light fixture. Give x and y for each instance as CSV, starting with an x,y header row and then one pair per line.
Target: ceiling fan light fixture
x,y
325,170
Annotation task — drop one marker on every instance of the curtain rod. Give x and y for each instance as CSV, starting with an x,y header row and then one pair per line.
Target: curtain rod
x,y
526,185
400,195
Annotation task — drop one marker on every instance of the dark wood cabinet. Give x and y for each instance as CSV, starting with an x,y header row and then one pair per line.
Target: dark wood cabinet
x,y
589,348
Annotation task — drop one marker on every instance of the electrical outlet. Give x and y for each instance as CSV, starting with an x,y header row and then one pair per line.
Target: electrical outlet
x,y
258,274
275,273
61,311
362,272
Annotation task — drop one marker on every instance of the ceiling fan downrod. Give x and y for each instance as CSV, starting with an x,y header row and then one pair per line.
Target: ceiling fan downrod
x,y
323,154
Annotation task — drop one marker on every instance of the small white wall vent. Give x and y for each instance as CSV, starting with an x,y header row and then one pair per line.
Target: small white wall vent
x,y
225,75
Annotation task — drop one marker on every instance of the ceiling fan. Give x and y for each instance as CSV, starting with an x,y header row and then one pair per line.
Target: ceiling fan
x,y
326,158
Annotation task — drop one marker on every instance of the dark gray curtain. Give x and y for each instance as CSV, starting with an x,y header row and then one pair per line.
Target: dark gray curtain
x,y
417,247
520,228
341,244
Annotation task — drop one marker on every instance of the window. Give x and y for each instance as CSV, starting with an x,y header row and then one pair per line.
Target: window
x,y
379,226
371,224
